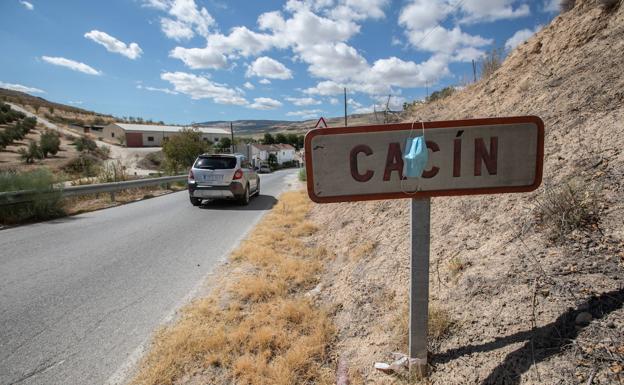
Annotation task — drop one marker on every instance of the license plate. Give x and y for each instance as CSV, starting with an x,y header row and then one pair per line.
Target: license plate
x,y
213,178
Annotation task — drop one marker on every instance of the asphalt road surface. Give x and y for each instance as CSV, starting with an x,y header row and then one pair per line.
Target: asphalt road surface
x,y
80,296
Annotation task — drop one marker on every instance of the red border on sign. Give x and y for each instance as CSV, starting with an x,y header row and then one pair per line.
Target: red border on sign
x,y
539,164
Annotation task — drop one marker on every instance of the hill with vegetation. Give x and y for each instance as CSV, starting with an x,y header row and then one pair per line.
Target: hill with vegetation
x,y
524,288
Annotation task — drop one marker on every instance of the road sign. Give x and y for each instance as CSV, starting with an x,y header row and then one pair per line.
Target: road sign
x,y
480,156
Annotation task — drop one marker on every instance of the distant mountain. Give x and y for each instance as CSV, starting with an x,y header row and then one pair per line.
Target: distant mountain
x,y
251,126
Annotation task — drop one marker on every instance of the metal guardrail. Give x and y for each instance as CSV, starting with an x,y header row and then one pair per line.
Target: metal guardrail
x,y
11,197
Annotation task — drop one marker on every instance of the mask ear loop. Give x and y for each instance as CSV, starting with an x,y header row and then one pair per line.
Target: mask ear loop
x,y
418,188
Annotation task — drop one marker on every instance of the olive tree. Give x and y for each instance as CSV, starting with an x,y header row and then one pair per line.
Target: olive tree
x,y
182,149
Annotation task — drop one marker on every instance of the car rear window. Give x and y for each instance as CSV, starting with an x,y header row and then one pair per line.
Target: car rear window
x,y
216,162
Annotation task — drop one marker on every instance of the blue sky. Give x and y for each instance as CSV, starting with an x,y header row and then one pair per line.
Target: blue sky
x,y
185,61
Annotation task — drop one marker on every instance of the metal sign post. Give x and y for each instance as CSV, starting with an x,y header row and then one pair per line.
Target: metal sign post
x,y
466,157
419,287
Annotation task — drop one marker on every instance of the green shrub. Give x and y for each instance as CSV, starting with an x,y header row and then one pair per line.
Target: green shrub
x,y
85,144
182,150
302,175
46,203
32,153
50,143
85,165
443,93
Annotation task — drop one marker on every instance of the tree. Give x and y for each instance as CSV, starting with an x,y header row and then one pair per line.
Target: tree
x,y
181,150
225,143
268,139
33,152
50,143
272,160
292,140
281,138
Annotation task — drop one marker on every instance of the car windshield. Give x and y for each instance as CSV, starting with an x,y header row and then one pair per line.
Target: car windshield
x,y
216,162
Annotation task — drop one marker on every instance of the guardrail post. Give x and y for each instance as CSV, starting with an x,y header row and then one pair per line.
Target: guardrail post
x,y
112,196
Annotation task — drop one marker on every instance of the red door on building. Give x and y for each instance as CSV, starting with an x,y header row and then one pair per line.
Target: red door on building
x,y
134,139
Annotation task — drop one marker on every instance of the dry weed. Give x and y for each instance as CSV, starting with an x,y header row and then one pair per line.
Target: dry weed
x,y
563,209
456,265
363,250
267,332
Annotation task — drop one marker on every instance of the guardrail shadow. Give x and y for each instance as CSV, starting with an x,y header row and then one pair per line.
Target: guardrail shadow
x,y
541,343
257,203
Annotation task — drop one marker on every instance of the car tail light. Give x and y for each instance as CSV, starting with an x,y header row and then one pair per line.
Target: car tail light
x,y
238,174
191,176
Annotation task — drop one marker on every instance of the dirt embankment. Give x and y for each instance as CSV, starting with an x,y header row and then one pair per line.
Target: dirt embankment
x,y
525,288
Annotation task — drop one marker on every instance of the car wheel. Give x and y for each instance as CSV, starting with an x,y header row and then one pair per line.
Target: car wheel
x,y
244,200
196,201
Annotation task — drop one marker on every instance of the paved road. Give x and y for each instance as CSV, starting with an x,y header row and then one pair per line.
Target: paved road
x,y
80,295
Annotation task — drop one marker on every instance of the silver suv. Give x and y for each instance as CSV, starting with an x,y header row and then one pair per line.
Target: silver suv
x,y
222,176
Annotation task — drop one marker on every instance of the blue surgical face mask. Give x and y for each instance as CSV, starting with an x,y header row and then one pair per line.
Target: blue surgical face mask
x,y
415,157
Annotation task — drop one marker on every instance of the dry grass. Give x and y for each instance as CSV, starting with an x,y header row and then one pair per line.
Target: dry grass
x,y
93,202
258,328
439,326
456,265
362,250
568,207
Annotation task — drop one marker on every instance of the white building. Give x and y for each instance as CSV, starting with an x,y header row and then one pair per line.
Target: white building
x,y
148,135
260,153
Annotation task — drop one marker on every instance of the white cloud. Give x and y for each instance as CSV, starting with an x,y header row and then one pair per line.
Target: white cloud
x,y
175,29
200,58
27,5
359,10
492,10
325,88
241,40
156,4
265,67
333,101
467,54
21,88
335,61
305,114
71,64
442,40
265,104
304,101
551,6
199,87
132,51
249,86
155,89
186,18
520,37
186,11
75,103
423,14
264,81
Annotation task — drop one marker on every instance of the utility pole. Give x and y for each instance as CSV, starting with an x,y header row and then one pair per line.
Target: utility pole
x,y
474,71
232,133
345,102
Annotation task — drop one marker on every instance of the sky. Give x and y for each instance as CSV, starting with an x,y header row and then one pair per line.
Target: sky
x,y
184,61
